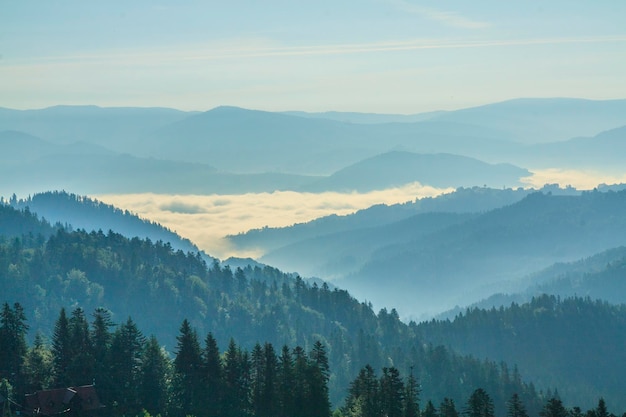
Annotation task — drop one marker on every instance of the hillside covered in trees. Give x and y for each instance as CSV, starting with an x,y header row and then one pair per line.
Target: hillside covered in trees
x,y
575,344
159,287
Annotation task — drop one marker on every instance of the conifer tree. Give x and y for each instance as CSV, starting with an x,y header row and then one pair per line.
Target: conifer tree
x,y
212,376
554,408
189,371
13,345
479,404
81,364
286,380
429,410
38,366
61,350
127,346
515,407
391,392
101,337
154,377
447,408
411,396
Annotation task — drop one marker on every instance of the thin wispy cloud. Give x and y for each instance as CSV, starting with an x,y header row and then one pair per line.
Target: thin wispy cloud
x,y
448,18
257,49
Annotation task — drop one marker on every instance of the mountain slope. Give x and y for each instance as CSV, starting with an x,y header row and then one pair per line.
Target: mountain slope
x,y
115,128
574,344
93,215
159,287
397,168
463,200
540,120
477,258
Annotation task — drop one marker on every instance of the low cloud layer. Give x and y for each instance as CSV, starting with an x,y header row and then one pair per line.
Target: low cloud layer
x,y
206,219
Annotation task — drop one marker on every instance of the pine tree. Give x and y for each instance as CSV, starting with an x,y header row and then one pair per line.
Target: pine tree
x,y
391,392
61,350
447,408
479,404
429,410
13,345
515,407
101,337
363,393
236,401
213,370
411,396
154,377
38,366
554,408
317,376
189,371
286,381
81,365
127,346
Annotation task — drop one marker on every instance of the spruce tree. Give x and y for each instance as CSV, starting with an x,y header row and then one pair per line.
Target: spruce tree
x,y
154,378
127,346
515,407
213,370
479,404
61,350
189,371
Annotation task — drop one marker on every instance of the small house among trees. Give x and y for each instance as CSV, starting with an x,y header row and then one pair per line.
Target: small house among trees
x,y
81,401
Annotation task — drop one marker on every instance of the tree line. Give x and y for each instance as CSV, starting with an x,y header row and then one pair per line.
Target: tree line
x,y
135,375
133,372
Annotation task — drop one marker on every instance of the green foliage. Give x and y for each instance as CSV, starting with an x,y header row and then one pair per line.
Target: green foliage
x,y
575,344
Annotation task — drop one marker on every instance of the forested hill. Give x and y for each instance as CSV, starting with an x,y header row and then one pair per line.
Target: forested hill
x,y
575,344
89,214
159,287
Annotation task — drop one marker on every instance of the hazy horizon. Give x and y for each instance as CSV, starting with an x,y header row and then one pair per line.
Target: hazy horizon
x,y
382,56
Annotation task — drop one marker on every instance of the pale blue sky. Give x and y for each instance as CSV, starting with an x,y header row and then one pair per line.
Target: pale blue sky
x,y
387,56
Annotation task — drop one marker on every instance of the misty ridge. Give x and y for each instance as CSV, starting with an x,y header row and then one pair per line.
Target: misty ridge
x,y
448,286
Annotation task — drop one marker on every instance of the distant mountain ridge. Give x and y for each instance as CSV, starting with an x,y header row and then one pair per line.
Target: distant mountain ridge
x,y
397,168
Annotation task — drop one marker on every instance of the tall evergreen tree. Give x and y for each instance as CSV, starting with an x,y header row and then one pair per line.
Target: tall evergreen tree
x,y
61,350
38,366
515,407
189,371
236,400
154,377
479,404
101,337
391,392
430,410
447,408
81,367
554,408
13,345
363,393
127,346
286,381
318,374
411,396
212,376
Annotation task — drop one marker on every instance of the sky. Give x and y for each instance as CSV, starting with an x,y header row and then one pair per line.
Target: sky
x,y
384,56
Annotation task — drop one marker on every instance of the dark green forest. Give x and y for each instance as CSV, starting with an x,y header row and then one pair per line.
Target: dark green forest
x,y
581,342
135,287
135,375
159,287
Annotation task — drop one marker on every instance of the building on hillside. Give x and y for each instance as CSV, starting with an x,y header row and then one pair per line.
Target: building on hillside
x,y
73,401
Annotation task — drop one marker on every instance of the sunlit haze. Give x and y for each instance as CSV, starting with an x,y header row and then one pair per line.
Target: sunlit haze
x,y
206,219
385,56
